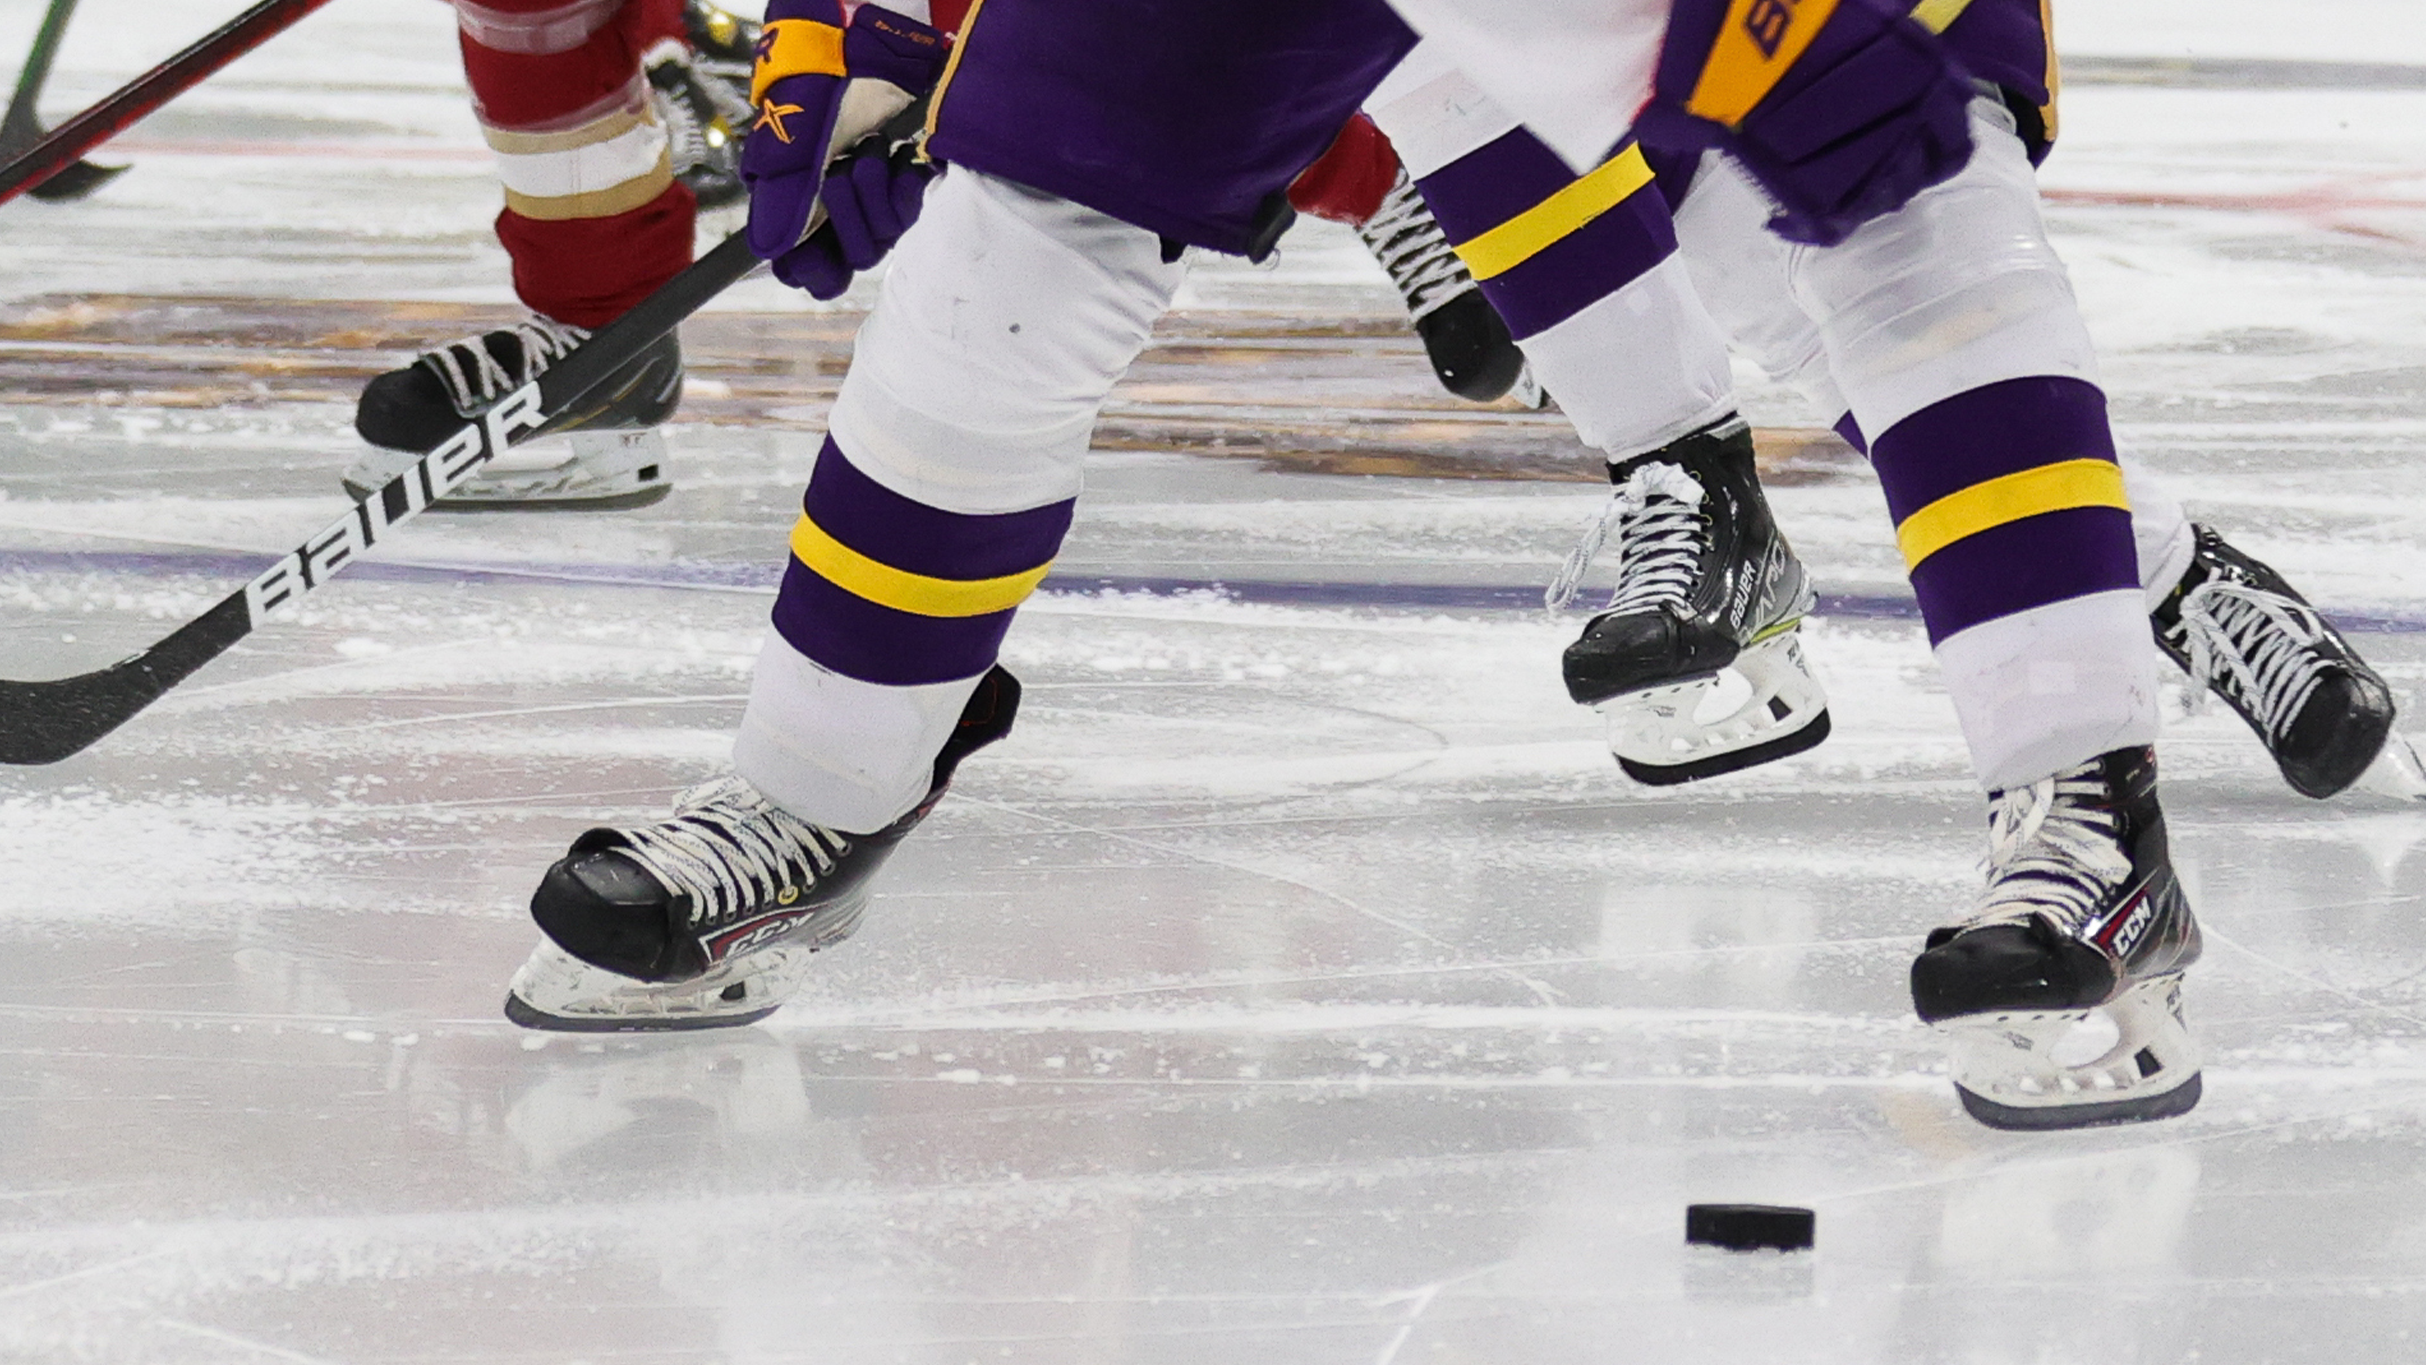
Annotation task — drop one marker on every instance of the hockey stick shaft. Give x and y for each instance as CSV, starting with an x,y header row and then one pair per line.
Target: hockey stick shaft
x,y
68,143
43,722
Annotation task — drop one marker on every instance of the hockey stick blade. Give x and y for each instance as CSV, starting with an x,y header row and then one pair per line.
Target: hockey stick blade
x,y
63,147
44,722
21,128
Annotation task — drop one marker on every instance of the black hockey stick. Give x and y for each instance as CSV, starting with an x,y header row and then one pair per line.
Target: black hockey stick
x,y
22,128
43,722
59,153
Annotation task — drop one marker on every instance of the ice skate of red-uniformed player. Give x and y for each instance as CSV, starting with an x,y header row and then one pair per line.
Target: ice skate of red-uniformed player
x,y
610,122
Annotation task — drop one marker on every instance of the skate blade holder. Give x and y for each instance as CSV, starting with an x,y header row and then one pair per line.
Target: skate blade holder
x,y
584,466
555,992
1764,707
2396,772
2127,1061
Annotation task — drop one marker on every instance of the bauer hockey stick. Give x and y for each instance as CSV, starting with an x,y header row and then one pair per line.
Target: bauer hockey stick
x,y
43,722
62,151
22,127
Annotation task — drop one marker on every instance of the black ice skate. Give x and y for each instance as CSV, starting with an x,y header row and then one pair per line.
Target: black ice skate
x,y
613,456
1469,345
707,920
2238,629
701,93
1697,660
2061,992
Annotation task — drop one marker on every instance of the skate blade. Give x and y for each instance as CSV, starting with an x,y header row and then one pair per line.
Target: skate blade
x,y
530,1016
2013,1118
2396,772
583,471
1769,707
604,502
1677,774
2131,1060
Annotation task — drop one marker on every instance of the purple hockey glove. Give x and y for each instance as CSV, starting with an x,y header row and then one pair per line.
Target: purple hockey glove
x,y
1841,109
871,198
808,56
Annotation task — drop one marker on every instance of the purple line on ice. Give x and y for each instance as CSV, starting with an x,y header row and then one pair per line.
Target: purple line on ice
x,y
762,578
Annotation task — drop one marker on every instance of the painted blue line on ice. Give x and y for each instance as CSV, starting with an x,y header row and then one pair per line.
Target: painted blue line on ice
x,y
762,578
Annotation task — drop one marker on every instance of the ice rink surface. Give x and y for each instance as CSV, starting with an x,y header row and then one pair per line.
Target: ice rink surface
x,y
1302,982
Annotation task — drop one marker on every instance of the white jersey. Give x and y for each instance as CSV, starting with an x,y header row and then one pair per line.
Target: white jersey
x,y
1575,71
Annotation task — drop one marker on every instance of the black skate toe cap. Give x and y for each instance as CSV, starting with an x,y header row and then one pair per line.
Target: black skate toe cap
x,y
406,409
1470,348
1628,651
601,907
2006,967
2337,734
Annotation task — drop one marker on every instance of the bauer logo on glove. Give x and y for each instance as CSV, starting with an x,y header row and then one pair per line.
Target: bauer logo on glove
x,y
823,81
1842,110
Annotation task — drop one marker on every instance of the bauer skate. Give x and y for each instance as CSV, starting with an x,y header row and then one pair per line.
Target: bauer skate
x,y
1697,660
612,455
1469,345
2061,992
708,920
2240,631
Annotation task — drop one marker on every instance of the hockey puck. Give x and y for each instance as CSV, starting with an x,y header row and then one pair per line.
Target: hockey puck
x,y
1750,1227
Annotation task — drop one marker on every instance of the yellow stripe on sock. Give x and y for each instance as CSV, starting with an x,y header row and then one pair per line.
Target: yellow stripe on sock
x,y
2049,488
902,590
1757,45
798,47
1518,240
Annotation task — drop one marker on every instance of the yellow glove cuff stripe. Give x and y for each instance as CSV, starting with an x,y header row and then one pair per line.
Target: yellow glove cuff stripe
x,y
902,590
795,47
1939,15
2058,487
1757,45
1518,240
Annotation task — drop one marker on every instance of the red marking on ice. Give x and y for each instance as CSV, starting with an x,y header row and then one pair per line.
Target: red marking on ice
x,y
2323,206
340,151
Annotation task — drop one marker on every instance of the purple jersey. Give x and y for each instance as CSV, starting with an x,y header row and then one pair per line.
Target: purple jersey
x,y
1186,118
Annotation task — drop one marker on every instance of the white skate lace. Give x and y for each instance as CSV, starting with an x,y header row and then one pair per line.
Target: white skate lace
x,y
1657,516
2255,645
731,851
2054,849
544,341
1408,242
686,138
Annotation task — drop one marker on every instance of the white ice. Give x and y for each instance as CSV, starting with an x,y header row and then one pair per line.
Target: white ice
x,y
1301,983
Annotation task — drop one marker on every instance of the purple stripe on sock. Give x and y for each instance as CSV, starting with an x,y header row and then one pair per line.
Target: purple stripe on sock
x,y
859,639
916,538
1852,432
2052,557
1986,433
1492,184
1583,267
